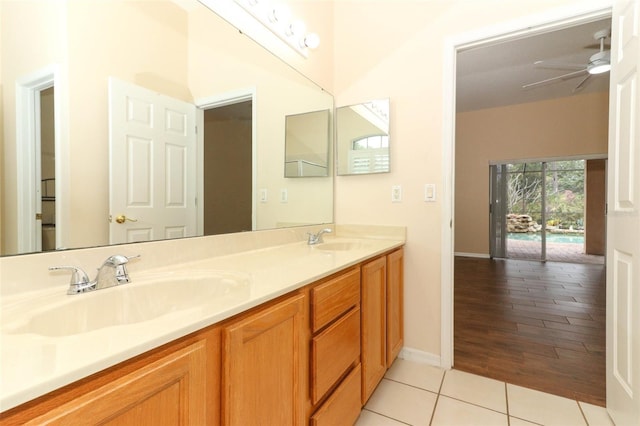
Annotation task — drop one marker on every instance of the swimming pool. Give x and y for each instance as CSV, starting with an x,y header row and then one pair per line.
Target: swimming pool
x,y
551,238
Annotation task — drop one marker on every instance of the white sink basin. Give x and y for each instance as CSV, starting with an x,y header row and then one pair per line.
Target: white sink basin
x,y
342,246
145,298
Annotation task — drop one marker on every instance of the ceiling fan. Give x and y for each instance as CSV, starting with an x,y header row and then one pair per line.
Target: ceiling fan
x,y
599,63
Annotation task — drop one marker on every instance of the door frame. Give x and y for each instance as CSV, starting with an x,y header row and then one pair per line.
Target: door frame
x,y
527,26
216,101
28,90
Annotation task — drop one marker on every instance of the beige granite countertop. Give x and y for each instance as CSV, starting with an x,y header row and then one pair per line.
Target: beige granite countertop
x,y
38,357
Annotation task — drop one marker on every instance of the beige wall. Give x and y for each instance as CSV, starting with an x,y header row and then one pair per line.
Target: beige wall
x,y
394,49
17,38
562,127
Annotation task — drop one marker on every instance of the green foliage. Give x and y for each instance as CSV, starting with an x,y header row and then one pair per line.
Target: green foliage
x,y
564,185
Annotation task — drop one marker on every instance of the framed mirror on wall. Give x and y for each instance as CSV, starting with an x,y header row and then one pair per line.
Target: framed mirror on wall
x,y
307,144
176,49
362,138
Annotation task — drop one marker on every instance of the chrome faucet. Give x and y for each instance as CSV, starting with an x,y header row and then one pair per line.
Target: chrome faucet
x,y
112,272
317,238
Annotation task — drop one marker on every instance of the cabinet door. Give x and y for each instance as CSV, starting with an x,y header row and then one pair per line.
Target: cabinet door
x,y
395,304
373,325
169,391
263,367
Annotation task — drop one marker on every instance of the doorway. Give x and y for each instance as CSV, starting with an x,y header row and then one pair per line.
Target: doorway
x,y
228,168
537,25
38,126
47,156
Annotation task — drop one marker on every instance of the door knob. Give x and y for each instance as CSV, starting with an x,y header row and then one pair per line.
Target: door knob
x,y
122,219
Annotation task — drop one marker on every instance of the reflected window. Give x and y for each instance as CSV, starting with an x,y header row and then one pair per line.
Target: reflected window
x,y
369,154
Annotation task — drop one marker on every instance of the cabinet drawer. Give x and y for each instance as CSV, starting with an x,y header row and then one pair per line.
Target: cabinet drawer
x,y
332,353
343,406
331,299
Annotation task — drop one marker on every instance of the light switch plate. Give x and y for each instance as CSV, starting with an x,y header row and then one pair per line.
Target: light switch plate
x,y
430,192
263,195
284,195
396,194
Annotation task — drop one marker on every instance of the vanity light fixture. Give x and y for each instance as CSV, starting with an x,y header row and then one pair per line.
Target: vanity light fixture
x,y
278,19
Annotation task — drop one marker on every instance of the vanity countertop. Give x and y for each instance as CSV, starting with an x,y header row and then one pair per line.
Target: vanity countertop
x,y
33,364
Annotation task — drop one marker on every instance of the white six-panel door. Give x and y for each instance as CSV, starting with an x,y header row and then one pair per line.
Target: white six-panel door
x,y
623,220
152,144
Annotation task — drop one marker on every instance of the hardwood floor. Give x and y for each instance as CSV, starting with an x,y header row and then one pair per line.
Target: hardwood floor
x,y
533,324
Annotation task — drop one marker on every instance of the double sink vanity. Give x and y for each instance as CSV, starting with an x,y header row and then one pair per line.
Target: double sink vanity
x,y
275,329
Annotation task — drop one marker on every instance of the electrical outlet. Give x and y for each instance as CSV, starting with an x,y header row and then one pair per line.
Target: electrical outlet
x,y
396,193
430,192
263,195
284,195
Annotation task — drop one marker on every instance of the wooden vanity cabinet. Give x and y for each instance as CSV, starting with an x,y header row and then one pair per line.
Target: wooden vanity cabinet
x,y
313,356
263,367
176,384
382,317
335,350
374,325
395,304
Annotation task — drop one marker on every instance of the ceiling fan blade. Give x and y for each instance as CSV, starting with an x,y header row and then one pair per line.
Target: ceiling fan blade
x,y
558,65
582,83
554,79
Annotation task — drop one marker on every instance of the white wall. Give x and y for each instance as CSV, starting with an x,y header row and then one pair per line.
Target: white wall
x,y
395,49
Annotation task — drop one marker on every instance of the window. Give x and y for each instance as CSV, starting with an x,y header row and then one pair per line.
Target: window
x,y
369,154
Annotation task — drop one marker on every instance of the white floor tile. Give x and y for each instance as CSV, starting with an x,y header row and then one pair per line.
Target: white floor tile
x,y
416,374
514,421
369,418
478,390
401,402
596,416
544,408
453,412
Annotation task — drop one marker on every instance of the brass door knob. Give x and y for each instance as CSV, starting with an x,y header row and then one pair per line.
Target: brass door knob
x,y
122,219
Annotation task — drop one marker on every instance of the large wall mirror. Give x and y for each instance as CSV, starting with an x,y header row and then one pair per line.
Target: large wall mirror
x,y
77,75
362,138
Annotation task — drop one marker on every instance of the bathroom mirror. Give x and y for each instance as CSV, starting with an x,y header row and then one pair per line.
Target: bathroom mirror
x,y
362,138
307,144
179,49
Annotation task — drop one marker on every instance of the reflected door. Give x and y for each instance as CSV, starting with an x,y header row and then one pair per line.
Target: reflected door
x,y
152,165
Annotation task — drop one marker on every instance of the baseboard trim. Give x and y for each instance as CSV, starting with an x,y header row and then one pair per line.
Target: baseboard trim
x,y
478,255
422,357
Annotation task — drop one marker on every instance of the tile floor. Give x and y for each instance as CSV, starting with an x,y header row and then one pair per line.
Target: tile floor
x,y
419,394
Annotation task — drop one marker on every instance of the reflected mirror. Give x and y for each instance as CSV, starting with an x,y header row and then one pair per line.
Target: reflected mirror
x,y
307,144
59,195
362,138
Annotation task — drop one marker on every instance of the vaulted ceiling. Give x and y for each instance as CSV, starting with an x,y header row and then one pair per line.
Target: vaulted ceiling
x,y
493,75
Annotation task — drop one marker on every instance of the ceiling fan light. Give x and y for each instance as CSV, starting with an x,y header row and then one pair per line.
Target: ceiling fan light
x,y
599,63
599,68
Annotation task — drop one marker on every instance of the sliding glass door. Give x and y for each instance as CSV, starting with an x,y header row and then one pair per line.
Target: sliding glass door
x,y
534,207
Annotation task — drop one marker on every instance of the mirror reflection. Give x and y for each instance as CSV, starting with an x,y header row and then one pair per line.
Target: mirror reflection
x,y
57,194
307,144
362,138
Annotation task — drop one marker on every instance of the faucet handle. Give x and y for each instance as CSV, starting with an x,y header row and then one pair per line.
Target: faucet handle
x,y
119,261
78,276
